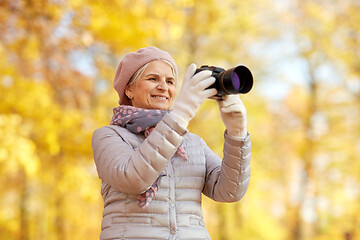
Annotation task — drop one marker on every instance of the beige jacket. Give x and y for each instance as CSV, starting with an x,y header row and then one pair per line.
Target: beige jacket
x,y
128,164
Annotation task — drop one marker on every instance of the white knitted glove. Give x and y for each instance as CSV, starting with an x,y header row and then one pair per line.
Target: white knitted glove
x,y
233,114
192,94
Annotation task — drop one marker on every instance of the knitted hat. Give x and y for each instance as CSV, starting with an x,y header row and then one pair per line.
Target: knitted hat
x,y
131,62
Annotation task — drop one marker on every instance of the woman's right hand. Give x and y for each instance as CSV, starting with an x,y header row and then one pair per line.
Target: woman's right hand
x,y
192,94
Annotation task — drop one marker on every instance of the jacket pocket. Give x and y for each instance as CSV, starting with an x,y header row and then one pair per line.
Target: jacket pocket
x,y
131,220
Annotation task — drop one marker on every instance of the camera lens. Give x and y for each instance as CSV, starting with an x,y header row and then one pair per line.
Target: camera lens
x,y
243,81
235,81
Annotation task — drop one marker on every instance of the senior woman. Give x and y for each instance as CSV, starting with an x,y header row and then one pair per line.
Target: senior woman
x,y
153,170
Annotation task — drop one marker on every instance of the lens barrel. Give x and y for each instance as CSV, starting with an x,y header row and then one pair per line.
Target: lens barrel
x,y
237,80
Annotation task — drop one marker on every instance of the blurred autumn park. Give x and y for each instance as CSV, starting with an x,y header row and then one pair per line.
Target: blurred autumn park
x,y
58,60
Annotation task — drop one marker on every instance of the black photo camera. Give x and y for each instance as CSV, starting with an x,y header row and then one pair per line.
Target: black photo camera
x,y
237,80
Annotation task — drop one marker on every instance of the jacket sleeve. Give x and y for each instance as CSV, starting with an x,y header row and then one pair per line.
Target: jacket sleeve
x,y
228,180
132,170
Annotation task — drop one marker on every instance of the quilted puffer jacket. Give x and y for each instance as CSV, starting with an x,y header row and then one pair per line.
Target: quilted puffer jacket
x,y
128,164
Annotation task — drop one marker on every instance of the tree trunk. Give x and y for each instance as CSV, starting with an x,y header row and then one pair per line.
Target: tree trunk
x,y
24,228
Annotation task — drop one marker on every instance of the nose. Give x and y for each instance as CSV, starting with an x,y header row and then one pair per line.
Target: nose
x,y
162,85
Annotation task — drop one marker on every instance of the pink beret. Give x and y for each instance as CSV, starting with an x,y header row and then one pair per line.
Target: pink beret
x,y
131,62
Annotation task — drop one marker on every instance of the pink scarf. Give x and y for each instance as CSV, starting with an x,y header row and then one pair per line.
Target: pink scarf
x,y
142,121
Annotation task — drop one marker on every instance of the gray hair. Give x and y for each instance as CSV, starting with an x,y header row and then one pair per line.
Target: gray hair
x,y
141,70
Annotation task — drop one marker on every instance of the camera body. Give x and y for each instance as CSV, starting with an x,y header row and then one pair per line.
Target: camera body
x,y
237,80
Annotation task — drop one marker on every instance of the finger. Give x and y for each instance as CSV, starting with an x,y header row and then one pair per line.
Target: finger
x,y
229,100
236,107
190,71
209,92
233,108
223,104
205,83
201,76
232,98
232,104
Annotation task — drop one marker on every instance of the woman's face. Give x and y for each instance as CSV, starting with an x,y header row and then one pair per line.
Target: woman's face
x,y
155,88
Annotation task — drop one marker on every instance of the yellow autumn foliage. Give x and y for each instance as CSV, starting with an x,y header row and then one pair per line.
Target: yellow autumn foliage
x,y
57,64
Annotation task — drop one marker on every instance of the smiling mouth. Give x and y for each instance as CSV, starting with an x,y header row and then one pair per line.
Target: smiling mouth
x,y
160,97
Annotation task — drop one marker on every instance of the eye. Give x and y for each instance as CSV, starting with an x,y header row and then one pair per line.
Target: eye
x,y
171,82
151,79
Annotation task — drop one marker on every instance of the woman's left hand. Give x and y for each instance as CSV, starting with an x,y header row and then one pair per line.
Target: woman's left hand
x,y
233,114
